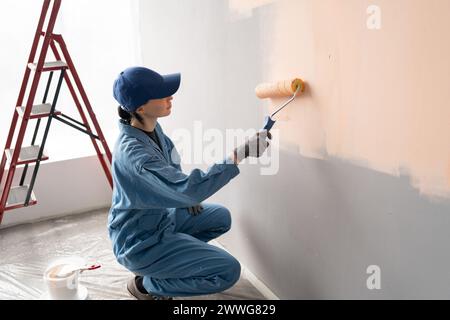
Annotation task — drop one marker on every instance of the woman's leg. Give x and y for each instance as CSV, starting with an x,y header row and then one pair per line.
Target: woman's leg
x,y
188,266
213,221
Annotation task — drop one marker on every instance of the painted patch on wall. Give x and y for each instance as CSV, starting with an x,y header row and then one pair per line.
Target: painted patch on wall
x,y
376,96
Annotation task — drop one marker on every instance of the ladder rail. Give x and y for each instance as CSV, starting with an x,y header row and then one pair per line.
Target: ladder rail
x,y
29,105
24,85
67,58
84,96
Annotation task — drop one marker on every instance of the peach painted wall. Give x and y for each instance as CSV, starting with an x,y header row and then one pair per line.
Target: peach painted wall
x,y
378,98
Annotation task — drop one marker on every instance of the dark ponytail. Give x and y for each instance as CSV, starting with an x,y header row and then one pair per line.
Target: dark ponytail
x,y
127,116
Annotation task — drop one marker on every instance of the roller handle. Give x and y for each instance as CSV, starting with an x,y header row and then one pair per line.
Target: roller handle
x,y
268,123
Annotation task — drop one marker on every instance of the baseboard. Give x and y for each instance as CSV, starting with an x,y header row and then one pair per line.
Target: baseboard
x,y
31,219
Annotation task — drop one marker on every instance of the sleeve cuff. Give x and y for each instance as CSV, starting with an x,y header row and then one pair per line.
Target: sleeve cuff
x,y
230,167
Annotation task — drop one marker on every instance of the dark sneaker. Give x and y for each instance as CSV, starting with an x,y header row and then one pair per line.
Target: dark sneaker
x,y
135,291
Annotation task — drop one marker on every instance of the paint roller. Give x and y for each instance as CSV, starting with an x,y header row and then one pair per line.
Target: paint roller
x,y
286,88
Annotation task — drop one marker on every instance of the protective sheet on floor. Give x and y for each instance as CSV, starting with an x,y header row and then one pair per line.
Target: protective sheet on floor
x,y
27,250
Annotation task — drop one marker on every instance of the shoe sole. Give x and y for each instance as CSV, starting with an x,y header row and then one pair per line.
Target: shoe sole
x,y
133,290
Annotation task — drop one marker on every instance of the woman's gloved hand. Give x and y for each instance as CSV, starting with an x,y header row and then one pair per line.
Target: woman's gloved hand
x,y
195,210
255,146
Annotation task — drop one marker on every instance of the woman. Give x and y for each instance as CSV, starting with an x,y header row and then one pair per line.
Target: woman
x,y
157,224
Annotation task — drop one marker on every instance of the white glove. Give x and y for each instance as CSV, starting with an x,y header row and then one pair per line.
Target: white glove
x,y
255,146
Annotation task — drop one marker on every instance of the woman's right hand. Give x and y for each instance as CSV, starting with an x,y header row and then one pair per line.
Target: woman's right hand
x,y
255,146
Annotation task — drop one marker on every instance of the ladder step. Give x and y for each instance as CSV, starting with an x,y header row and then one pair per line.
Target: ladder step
x,y
16,197
49,66
37,111
27,155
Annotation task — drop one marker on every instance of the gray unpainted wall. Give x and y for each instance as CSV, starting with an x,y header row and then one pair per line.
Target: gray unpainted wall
x,y
311,231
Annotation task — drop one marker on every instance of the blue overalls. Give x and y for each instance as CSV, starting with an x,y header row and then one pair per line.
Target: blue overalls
x,y
151,230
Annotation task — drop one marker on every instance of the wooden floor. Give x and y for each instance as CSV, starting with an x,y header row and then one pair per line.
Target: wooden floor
x,y
26,251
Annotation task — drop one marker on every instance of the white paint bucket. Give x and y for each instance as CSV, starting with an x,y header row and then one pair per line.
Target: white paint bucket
x,y
62,286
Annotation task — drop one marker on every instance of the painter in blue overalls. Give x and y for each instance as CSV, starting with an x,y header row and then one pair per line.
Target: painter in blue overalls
x,y
157,223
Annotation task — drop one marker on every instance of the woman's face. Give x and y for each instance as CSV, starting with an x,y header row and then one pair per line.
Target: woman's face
x,y
156,108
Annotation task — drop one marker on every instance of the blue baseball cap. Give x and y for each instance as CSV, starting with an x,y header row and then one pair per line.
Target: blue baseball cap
x,y
135,86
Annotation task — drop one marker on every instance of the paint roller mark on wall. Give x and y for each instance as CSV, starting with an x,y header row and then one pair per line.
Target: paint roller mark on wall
x,y
244,8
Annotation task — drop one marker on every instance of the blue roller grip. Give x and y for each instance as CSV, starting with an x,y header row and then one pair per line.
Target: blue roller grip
x,y
268,123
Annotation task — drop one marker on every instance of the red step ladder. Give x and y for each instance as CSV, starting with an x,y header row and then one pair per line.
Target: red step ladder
x,y
23,195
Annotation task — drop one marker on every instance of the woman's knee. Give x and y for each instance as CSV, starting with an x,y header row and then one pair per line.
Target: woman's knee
x,y
225,217
232,273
